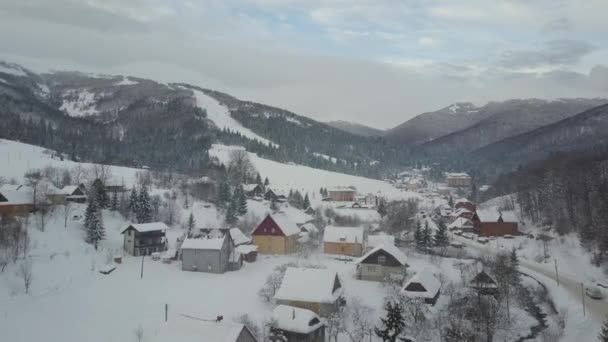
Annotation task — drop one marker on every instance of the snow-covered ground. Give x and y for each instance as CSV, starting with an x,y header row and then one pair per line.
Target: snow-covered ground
x,y
221,117
79,103
126,81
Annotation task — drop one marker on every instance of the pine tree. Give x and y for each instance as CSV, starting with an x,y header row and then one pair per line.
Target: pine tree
x,y
273,205
114,202
93,223
103,201
427,237
89,214
258,179
241,208
604,333
451,202
393,324
191,222
224,196
133,204
145,208
382,209
266,181
231,213
514,267
441,236
418,236
306,203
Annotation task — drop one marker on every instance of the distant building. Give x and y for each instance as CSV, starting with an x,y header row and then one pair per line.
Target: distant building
x,y
276,234
274,195
75,193
382,262
484,284
464,203
343,240
423,285
16,202
145,238
462,224
342,194
253,190
298,325
495,223
317,290
210,250
461,213
458,180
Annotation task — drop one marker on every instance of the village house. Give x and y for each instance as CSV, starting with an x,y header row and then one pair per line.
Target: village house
x,y
423,285
382,262
458,179
204,188
145,238
495,223
484,284
75,193
186,329
274,195
342,194
243,245
317,290
376,240
16,202
115,189
210,250
343,240
253,190
464,203
461,213
462,224
298,325
443,210
310,211
276,234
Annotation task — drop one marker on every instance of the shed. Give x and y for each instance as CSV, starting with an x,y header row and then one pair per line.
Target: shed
x,y
423,285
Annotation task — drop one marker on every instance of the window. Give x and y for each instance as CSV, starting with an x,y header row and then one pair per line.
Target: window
x,y
382,259
371,268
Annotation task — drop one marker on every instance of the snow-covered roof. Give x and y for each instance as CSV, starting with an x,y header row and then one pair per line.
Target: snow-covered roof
x,y
488,215
459,223
238,237
185,329
309,227
343,234
388,248
309,285
206,180
250,187
17,197
380,239
207,242
457,175
342,188
69,189
509,216
148,227
296,320
287,225
429,282
15,187
246,249
296,215
459,212
462,200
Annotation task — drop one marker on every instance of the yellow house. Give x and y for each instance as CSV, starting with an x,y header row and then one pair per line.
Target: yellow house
x,y
276,234
343,240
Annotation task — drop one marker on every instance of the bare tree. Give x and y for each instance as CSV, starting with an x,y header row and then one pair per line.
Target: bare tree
x,y
357,324
33,179
79,174
240,167
67,211
101,172
25,273
139,333
43,208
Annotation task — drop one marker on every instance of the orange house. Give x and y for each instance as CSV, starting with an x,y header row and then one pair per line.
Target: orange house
x,y
276,234
343,240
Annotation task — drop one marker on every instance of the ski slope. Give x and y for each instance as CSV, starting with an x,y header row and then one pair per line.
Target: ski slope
x,y
221,117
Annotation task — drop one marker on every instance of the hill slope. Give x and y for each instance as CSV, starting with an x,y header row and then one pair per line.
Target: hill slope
x,y
356,128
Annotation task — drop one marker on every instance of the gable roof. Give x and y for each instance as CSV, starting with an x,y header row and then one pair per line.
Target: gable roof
x,y
281,222
212,242
296,320
459,223
15,187
388,248
309,227
425,278
342,188
380,239
147,227
186,329
310,285
459,211
16,197
239,237
483,279
343,234
250,187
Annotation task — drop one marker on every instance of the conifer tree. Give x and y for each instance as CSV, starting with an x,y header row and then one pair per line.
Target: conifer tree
x,y
103,201
89,214
191,222
231,213
604,333
441,236
418,236
306,203
258,179
144,206
223,195
241,202
427,237
266,181
133,204
114,202
393,324
382,209
93,223
451,202
515,267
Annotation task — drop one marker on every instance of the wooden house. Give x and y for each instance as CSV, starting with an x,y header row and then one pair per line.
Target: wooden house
x,y
145,238
274,195
317,290
253,190
382,262
188,329
484,284
16,202
461,213
276,234
210,250
343,240
298,325
423,285
462,224
75,193
342,194
495,223
464,203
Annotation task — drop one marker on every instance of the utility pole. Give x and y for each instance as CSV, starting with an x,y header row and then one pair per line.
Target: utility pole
x,y
556,272
166,311
583,298
142,267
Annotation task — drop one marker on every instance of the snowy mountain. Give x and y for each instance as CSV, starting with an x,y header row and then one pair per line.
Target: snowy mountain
x,y
356,128
432,125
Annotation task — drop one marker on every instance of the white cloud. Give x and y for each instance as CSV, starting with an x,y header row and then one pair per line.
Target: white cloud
x,y
427,41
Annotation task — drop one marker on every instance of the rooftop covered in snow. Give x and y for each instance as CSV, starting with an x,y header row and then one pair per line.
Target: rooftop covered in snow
x,y
343,234
147,227
388,248
310,285
296,320
422,285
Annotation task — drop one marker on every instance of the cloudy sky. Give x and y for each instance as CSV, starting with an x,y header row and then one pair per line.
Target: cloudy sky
x,y
378,62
